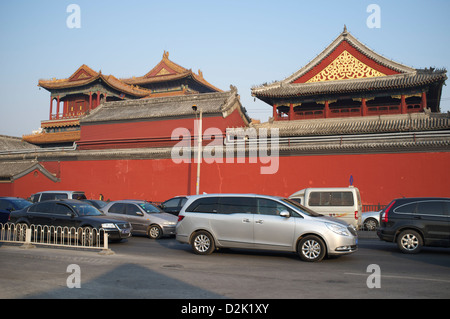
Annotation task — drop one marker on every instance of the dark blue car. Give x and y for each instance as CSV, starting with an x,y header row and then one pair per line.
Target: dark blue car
x,y
10,204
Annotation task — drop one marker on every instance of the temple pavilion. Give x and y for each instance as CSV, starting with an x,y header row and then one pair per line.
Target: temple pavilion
x,y
350,80
74,97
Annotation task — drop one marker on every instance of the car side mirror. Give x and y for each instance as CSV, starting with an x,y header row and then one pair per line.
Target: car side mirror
x,y
140,213
285,214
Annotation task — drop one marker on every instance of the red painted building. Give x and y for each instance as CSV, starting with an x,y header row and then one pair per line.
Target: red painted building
x,y
150,122
349,112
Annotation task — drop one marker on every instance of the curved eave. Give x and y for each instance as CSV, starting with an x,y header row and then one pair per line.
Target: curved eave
x,y
171,77
391,82
138,92
65,83
59,85
60,123
14,170
50,138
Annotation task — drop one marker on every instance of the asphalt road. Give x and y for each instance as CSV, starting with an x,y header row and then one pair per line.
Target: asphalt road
x,y
144,268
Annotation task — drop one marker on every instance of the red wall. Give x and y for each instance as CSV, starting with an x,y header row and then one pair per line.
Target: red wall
x,y
380,177
29,184
147,133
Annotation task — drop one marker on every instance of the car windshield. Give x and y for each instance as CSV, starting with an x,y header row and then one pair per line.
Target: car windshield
x,y
20,203
149,208
96,203
302,208
85,209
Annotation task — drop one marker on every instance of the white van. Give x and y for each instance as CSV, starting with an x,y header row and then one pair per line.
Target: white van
x,y
340,202
51,195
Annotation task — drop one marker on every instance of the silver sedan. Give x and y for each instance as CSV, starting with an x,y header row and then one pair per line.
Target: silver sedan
x,y
370,220
145,218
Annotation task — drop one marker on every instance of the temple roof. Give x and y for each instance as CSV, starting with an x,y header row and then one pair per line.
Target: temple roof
x,y
417,122
53,138
400,81
84,75
210,103
11,143
348,66
167,70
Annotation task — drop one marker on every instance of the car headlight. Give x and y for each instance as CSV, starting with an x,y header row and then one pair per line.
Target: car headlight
x,y
338,229
108,225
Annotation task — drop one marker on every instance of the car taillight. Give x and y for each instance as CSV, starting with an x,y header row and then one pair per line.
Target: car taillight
x,y
356,214
384,215
180,218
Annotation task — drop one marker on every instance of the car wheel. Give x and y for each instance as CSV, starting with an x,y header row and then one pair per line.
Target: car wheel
x,y
203,243
370,224
311,249
154,232
410,242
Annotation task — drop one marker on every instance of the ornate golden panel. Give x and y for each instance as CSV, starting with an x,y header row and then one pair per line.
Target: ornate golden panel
x,y
344,67
163,71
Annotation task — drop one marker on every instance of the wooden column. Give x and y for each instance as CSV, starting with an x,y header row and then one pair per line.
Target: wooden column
x,y
363,107
326,112
57,108
51,107
275,113
403,108
65,109
424,101
291,112
98,98
90,100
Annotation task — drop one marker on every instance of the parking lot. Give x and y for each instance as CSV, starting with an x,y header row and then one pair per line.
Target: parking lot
x,y
145,268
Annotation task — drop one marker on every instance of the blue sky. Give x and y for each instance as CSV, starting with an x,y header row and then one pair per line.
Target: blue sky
x,y
238,42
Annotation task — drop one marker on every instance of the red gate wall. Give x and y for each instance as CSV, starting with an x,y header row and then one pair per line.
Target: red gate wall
x,y
380,177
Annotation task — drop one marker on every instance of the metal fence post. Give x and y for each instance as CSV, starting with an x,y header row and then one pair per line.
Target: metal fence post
x,y
27,243
106,250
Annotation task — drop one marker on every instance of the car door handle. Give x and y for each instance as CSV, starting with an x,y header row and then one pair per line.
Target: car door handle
x,y
246,220
259,221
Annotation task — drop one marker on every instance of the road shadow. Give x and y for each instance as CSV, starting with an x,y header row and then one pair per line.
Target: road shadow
x,y
128,281
439,256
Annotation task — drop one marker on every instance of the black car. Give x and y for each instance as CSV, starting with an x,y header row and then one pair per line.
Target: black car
x,y
10,204
174,205
416,222
71,213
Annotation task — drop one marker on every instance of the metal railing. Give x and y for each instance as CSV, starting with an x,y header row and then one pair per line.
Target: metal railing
x,y
57,236
372,208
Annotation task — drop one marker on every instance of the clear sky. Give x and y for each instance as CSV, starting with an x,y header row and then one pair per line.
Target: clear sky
x,y
238,42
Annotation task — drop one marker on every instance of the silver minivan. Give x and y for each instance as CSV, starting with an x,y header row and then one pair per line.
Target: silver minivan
x,y
212,221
